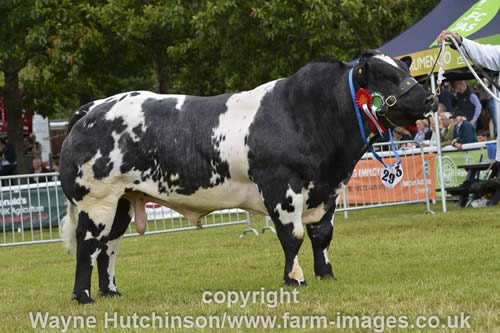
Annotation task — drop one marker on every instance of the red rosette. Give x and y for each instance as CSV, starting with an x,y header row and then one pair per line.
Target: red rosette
x,y
363,97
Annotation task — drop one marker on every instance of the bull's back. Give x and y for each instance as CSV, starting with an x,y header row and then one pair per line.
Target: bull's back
x,y
166,145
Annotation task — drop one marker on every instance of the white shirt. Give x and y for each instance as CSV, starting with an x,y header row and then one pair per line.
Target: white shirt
x,y
487,56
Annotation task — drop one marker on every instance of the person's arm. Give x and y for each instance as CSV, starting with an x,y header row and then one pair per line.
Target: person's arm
x,y
468,134
485,55
428,134
477,108
447,138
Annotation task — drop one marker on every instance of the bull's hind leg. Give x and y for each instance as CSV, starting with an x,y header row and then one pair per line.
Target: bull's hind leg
x,y
107,258
321,234
94,224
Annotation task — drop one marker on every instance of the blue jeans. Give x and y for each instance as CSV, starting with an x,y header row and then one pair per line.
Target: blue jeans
x,y
493,113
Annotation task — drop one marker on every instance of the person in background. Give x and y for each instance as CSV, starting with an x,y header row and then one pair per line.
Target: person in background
x,y
442,108
423,131
464,132
493,113
487,56
32,148
446,98
7,158
38,168
55,163
467,102
447,129
482,136
401,134
435,133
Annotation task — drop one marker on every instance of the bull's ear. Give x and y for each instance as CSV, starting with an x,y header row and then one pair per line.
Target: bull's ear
x,y
367,54
407,60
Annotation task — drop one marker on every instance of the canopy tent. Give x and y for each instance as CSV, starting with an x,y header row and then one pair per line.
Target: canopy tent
x,y
476,20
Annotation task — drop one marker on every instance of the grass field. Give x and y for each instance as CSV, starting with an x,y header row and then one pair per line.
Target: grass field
x,y
389,261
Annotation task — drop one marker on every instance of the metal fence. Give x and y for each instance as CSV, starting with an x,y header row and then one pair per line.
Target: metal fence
x,y
32,206
365,190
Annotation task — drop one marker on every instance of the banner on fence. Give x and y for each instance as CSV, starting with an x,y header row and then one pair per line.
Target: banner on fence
x,y
453,173
31,204
365,185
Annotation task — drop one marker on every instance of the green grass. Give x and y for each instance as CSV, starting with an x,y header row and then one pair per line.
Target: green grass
x,y
388,261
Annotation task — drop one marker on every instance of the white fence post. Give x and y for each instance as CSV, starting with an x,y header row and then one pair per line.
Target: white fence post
x,y
439,151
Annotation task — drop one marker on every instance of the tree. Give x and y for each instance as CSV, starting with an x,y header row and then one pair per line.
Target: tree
x,y
153,33
13,58
240,44
58,54
54,56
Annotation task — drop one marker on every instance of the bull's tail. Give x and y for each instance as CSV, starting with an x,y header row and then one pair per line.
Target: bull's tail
x,y
82,112
70,221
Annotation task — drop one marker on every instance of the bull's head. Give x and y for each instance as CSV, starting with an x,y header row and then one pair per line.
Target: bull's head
x,y
405,100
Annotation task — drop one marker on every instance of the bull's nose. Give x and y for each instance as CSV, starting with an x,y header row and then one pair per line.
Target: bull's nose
x,y
430,101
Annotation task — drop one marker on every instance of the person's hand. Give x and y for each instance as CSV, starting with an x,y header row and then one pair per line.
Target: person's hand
x,y
453,142
458,145
444,35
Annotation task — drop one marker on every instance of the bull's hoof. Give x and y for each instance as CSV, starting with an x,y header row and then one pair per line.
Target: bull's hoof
x,y
82,297
295,283
326,277
109,293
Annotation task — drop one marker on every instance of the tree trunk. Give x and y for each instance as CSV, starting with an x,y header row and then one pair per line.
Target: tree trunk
x,y
13,105
161,73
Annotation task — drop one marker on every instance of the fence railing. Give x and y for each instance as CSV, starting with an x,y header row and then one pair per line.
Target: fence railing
x,y
32,206
365,189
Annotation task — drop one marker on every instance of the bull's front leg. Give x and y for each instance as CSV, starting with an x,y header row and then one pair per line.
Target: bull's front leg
x,y
321,234
293,275
286,213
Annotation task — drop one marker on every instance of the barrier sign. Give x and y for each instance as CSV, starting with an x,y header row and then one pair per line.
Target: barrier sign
x,y
365,185
453,175
26,206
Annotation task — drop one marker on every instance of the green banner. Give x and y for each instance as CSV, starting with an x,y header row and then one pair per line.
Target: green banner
x,y
473,20
26,206
452,160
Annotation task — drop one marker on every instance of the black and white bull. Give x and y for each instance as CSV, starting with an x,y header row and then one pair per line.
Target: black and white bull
x,y
282,149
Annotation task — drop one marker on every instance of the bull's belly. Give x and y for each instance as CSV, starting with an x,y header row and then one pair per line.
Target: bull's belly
x,y
230,194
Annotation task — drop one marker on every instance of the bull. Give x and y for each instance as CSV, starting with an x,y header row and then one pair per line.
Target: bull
x,y
282,149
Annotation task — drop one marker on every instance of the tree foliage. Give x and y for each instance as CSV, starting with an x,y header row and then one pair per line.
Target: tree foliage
x,y
58,54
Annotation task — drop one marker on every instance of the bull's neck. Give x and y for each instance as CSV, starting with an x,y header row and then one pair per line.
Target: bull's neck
x,y
327,114
365,125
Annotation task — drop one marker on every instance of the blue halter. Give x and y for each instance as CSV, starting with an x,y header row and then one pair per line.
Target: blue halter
x,y
362,130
